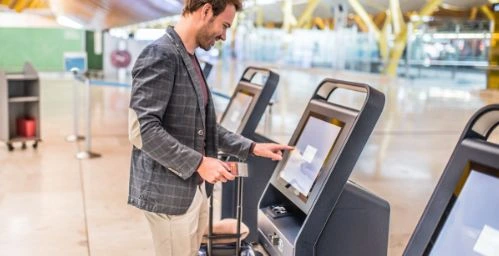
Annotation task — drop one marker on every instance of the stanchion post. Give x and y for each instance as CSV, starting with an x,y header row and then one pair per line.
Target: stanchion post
x,y
76,109
87,152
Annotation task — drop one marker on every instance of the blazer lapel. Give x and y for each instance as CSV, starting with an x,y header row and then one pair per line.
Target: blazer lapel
x,y
190,70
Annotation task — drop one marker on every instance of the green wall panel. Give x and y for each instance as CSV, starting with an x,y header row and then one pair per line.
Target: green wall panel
x,y
44,48
94,60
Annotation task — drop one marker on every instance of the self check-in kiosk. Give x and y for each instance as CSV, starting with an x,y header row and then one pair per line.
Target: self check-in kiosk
x,y
462,216
242,115
309,207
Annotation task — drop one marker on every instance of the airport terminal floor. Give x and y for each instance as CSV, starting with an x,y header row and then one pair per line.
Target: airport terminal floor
x,y
54,204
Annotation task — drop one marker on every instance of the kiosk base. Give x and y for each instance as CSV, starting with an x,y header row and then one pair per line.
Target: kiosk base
x,y
358,225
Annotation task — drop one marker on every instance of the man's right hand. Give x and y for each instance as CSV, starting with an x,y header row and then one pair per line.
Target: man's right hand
x,y
213,170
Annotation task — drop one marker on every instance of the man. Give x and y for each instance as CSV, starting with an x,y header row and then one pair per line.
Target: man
x,y
174,131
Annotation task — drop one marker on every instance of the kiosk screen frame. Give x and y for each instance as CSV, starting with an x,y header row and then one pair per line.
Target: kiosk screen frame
x,y
309,156
335,115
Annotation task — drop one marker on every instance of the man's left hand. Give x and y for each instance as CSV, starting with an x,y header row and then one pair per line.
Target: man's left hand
x,y
270,150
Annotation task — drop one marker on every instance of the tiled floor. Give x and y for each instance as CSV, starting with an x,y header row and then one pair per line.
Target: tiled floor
x,y
53,204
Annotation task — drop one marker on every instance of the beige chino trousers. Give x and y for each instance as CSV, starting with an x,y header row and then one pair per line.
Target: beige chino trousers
x,y
179,235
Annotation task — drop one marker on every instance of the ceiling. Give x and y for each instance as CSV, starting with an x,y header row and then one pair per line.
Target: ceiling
x,y
102,14
112,13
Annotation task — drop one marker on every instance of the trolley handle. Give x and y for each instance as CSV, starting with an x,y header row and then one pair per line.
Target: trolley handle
x,y
228,157
482,123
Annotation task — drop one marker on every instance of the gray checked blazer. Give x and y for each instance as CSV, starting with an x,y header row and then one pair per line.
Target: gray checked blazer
x,y
168,126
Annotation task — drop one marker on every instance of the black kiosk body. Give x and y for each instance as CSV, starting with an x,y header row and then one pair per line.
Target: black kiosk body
x,y
242,115
462,216
309,207
206,68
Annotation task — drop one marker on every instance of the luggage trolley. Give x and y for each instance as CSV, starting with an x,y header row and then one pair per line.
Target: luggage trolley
x,y
237,247
308,206
461,217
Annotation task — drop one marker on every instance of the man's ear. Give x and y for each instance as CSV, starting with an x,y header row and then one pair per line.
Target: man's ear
x,y
207,10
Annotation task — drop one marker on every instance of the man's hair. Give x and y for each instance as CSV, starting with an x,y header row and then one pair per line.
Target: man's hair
x,y
218,6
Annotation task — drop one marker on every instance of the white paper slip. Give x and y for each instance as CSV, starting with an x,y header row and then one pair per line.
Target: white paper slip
x,y
309,154
235,116
487,243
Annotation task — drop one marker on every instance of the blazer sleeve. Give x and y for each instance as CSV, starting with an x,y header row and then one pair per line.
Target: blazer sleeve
x,y
153,81
233,144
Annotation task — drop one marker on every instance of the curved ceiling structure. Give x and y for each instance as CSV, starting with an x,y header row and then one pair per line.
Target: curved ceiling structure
x,y
102,14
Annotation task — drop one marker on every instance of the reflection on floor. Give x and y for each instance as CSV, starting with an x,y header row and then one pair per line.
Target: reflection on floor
x,y
53,204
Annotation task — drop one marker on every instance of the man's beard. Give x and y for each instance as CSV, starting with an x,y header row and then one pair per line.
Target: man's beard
x,y
204,38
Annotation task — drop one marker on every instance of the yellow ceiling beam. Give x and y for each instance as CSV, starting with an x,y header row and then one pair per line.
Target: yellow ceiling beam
x,y
20,5
6,2
288,20
429,8
362,26
383,40
320,23
473,13
33,4
486,10
379,18
401,39
260,18
306,17
361,12
38,4
397,16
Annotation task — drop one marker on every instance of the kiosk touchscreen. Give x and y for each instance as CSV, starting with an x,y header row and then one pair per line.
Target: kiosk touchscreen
x,y
472,225
461,217
307,207
249,101
237,110
313,147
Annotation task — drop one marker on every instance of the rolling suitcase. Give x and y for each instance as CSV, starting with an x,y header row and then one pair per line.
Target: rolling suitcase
x,y
239,247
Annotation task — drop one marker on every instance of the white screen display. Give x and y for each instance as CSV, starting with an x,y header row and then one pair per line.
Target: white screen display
x,y
311,150
236,111
472,227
